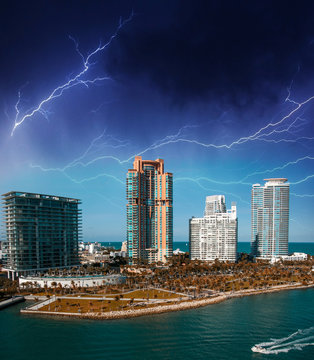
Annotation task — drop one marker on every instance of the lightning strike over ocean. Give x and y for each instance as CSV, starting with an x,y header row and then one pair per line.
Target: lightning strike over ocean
x,y
161,145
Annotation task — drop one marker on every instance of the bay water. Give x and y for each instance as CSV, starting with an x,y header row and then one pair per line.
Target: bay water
x,y
305,247
279,325
276,326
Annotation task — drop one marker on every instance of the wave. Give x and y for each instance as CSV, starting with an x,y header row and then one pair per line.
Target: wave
x,y
295,341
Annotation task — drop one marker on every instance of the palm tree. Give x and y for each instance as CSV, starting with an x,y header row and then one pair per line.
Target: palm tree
x,y
54,284
60,288
59,303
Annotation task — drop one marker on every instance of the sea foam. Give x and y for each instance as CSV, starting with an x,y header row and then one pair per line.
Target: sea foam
x,y
295,341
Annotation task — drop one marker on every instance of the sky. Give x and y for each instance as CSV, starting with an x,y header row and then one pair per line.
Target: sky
x,y
223,91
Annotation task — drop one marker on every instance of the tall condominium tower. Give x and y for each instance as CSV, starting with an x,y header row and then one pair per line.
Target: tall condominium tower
x,y
215,236
41,232
149,211
270,218
215,204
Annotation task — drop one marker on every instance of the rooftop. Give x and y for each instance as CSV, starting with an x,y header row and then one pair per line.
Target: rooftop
x,y
277,179
38,196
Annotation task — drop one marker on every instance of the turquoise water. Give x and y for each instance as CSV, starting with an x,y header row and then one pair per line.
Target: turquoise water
x,y
221,331
307,248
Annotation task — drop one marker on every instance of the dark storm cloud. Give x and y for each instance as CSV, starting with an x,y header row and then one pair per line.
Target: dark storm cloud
x,y
227,52
232,51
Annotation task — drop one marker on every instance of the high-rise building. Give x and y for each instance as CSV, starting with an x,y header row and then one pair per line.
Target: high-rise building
x,y
215,204
270,218
41,232
215,236
149,212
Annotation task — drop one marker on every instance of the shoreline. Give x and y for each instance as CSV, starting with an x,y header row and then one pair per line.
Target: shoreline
x,y
160,309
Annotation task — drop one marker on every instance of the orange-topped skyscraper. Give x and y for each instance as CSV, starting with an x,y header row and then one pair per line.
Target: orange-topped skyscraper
x,y
149,212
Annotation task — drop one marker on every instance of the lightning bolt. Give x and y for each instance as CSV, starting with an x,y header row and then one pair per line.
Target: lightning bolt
x,y
295,123
77,161
172,139
283,125
177,137
75,80
287,140
197,181
258,135
302,180
241,182
288,99
278,167
303,195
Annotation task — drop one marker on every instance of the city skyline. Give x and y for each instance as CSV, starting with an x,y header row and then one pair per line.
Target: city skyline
x,y
222,118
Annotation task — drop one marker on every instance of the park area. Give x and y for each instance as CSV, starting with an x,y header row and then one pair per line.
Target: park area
x,y
102,303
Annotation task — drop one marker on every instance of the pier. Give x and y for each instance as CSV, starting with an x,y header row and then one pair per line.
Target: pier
x,y
13,300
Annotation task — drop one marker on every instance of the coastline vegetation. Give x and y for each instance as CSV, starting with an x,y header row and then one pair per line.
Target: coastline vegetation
x,y
200,277
179,284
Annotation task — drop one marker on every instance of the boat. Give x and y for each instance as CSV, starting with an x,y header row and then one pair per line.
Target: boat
x,y
260,349
257,348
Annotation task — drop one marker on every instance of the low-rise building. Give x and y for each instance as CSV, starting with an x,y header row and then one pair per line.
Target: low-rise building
x,y
178,252
296,256
78,281
115,254
124,246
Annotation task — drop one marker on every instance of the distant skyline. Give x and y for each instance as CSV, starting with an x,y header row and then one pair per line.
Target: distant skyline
x,y
221,90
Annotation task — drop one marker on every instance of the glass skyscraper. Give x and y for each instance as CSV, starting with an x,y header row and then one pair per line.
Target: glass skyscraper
x,y
41,232
270,218
149,212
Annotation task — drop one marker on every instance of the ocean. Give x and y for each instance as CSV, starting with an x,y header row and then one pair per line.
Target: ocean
x,y
307,248
276,326
281,325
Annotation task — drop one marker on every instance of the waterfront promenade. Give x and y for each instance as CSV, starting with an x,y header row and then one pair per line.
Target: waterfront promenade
x,y
54,306
9,302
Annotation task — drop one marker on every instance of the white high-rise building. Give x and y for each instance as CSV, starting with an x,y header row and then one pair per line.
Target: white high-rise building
x,y
270,218
215,236
215,204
